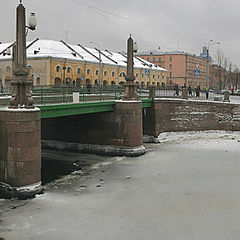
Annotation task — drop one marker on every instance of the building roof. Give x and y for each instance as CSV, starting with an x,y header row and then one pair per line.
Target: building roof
x,y
60,49
158,53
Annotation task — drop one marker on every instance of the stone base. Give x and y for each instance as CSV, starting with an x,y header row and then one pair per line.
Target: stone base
x,y
150,139
20,146
95,149
8,192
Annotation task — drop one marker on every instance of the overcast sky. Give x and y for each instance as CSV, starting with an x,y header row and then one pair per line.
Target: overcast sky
x,y
169,24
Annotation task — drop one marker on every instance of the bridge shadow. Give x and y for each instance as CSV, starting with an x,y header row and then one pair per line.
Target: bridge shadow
x,y
56,164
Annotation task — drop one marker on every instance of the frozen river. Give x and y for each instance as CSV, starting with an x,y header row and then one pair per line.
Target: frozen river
x,y
185,188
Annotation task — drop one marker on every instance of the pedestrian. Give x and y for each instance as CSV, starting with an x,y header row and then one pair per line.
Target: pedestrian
x,y
207,92
190,90
197,91
176,90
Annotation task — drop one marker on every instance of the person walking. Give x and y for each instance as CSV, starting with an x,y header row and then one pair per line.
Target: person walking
x,y
207,92
197,91
190,90
176,90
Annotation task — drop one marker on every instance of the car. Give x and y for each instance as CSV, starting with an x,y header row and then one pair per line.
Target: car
x,y
237,92
225,90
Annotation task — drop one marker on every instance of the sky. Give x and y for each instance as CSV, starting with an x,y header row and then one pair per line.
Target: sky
x,y
171,25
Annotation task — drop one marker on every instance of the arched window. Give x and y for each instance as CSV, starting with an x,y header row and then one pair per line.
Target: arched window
x,y
8,69
58,69
79,70
38,81
96,82
97,71
112,83
105,73
143,75
104,83
88,71
122,74
153,76
113,73
137,75
68,69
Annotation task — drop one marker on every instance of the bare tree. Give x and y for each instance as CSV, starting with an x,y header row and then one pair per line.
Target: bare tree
x,y
220,61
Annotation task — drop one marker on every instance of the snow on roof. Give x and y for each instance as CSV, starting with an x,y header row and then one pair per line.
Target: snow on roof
x,y
55,49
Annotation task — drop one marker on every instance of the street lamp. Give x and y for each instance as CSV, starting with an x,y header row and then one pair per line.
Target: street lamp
x,y
21,86
211,42
99,64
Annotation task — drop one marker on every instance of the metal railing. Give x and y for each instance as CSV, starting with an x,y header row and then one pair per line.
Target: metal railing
x,y
52,94
47,94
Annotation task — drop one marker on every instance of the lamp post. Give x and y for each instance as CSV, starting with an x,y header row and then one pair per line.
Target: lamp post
x,y
21,86
130,87
99,65
207,62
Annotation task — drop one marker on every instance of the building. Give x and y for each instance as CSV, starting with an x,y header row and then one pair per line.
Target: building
x,y
57,63
183,68
218,77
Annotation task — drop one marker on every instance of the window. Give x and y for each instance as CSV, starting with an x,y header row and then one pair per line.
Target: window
x,y
96,72
88,71
105,73
137,75
8,69
170,66
170,58
58,68
68,69
113,73
143,75
154,59
122,74
153,76
38,81
79,70
170,74
159,59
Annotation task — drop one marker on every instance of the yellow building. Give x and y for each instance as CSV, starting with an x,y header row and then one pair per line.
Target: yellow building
x,y
57,63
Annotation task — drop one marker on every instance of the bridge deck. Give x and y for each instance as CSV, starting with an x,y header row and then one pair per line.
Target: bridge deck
x,y
62,110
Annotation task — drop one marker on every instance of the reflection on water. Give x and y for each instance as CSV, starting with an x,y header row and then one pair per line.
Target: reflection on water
x,y
56,164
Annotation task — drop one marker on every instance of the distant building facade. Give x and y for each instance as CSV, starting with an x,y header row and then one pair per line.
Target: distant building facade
x,y
57,63
218,77
183,68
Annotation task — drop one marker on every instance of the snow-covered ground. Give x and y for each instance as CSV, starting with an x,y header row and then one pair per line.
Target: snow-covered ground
x,y
185,188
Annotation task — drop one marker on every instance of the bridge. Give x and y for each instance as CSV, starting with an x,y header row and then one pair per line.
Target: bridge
x,y
114,125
